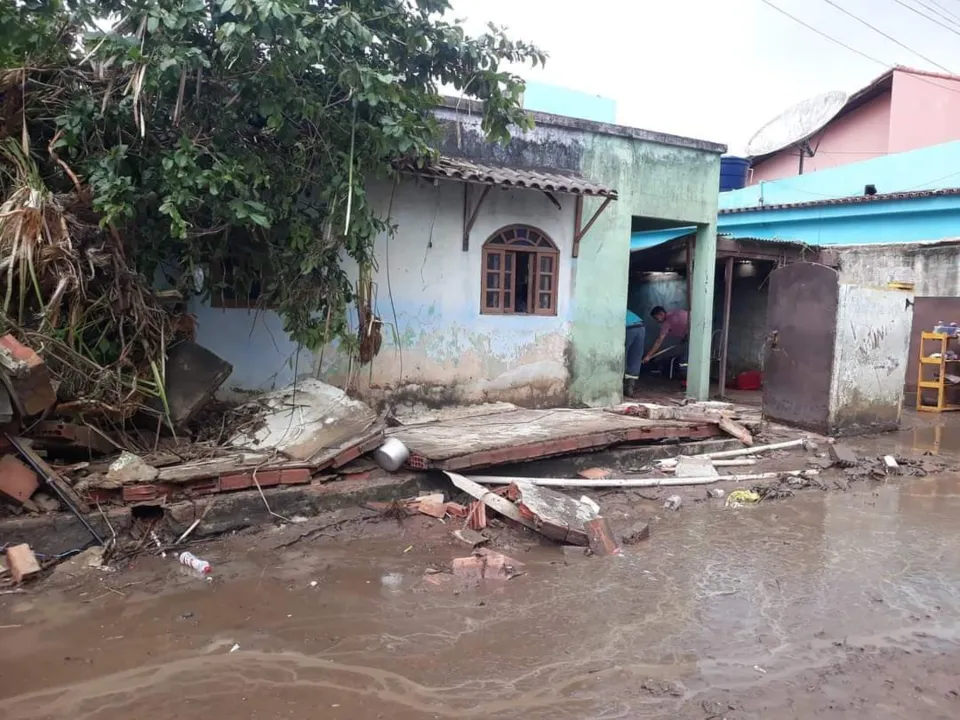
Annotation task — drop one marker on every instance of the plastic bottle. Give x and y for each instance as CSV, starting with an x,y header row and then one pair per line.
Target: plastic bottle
x,y
191,560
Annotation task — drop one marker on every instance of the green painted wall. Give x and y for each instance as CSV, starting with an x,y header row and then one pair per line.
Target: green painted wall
x,y
653,180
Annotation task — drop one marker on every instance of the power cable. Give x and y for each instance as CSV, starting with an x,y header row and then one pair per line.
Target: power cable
x,y
852,49
926,17
889,37
940,11
823,34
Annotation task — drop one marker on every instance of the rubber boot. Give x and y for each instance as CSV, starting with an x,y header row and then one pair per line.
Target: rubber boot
x,y
629,385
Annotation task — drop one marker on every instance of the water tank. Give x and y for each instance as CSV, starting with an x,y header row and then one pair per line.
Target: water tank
x,y
733,173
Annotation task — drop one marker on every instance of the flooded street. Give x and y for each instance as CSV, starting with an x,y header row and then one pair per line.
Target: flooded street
x,y
823,605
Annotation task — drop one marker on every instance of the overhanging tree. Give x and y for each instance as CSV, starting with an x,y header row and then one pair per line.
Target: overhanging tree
x,y
236,134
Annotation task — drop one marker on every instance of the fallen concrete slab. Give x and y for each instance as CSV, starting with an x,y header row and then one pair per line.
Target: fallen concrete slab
x,y
554,515
311,422
520,435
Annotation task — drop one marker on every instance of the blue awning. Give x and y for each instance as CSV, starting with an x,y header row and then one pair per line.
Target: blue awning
x,y
651,238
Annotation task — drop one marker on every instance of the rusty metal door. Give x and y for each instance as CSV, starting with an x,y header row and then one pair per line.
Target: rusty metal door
x,y
801,335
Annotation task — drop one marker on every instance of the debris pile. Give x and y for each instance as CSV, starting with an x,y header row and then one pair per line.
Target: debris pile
x,y
556,516
312,433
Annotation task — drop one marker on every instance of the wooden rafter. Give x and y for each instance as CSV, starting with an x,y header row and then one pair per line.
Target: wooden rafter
x,y
469,218
579,229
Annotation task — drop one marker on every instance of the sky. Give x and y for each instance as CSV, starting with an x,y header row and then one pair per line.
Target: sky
x,y
719,69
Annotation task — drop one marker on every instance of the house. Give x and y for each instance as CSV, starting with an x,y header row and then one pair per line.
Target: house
x,y
891,221
506,278
902,110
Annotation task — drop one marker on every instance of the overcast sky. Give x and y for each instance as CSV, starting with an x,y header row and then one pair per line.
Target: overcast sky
x,y
719,69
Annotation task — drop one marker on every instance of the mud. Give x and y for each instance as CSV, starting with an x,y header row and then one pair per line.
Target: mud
x,y
826,605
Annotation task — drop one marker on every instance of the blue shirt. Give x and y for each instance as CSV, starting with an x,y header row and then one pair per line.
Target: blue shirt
x,y
633,318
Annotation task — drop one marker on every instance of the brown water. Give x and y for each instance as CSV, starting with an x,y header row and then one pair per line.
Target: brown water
x,y
824,605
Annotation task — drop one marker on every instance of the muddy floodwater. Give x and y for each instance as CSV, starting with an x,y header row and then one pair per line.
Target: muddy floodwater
x,y
824,605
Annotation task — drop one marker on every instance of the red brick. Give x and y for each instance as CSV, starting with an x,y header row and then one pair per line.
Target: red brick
x,y
17,481
477,517
140,493
432,508
27,377
469,567
102,496
202,487
21,562
267,478
298,476
418,462
457,510
238,481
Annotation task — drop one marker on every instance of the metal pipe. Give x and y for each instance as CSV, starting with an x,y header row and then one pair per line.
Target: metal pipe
x,y
632,482
754,450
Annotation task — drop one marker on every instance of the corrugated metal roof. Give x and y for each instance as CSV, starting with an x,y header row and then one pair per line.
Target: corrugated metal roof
x,y
772,241
450,168
852,200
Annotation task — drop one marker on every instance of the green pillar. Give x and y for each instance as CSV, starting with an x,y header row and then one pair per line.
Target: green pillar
x,y
701,312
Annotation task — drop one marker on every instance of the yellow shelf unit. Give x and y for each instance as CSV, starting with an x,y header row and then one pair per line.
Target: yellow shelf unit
x,y
941,363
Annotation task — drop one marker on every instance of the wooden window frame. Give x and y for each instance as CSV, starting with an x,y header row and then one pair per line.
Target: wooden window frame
x,y
505,243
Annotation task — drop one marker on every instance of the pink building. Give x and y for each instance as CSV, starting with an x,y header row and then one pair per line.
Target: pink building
x,y
903,109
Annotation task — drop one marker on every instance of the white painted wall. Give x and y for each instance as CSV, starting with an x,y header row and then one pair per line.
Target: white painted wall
x,y
429,289
870,357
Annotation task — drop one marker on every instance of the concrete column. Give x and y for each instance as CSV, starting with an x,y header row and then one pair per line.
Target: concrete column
x,y
701,312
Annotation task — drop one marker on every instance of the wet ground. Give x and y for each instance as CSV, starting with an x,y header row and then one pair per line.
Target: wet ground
x,y
825,605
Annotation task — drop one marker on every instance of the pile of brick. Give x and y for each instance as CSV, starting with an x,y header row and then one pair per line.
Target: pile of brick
x,y
26,391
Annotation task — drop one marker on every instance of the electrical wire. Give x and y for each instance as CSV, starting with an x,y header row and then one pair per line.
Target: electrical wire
x,y
940,11
823,34
889,37
926,17
852,49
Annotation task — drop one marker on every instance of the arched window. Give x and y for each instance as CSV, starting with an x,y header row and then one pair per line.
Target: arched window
x,y
520,266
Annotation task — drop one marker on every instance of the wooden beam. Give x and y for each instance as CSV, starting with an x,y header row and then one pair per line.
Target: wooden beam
x,y
466,216
725,330
579,232
577,222
553,198
470,218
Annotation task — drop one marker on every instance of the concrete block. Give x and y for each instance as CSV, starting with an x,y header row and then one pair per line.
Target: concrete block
x,y
17,481
21,562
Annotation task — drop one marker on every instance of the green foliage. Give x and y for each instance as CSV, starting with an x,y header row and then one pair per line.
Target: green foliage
x,y
242,131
